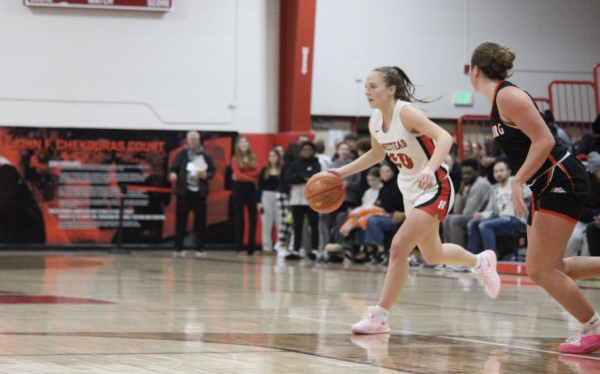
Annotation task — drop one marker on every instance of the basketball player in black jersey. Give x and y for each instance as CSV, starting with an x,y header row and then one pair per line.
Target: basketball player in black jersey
x,y
559,183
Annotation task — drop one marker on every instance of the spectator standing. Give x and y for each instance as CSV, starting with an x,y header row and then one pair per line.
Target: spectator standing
x,y
268,183
299,173
243,192
292,153
324,160
191,170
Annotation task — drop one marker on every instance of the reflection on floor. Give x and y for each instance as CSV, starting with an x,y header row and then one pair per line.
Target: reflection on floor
x,y
150,313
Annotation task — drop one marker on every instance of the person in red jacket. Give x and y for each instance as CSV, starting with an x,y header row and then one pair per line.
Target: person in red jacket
x,y
243,192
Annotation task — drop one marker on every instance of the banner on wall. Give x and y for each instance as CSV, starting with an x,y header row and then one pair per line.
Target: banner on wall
x,y
63,186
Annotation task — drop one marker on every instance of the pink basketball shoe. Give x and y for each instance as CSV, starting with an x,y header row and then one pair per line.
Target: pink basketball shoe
x,y
587,341
374,323
487,274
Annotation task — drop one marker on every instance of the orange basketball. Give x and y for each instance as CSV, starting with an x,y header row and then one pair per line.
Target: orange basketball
x,y
324,192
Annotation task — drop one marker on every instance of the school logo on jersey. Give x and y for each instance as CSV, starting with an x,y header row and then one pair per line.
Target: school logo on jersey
x,y
497,130
558,190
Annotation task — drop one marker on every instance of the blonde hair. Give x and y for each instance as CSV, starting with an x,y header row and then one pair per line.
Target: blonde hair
x,y
240,156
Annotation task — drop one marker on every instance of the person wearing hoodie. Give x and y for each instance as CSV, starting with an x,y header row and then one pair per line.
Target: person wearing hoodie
x,y
191,170
298,174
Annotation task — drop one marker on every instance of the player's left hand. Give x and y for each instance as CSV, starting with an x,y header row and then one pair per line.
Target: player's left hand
x,y
426,179
518,202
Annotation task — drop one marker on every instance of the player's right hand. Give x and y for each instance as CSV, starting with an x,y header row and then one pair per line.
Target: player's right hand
x,y
336,171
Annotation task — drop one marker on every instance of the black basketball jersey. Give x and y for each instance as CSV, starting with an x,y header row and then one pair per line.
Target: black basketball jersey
x,y
516,144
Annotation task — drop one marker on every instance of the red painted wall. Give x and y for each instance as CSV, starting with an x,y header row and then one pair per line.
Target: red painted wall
x,y
297,31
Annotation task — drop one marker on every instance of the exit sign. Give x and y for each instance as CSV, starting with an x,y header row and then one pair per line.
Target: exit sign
x,y
463,99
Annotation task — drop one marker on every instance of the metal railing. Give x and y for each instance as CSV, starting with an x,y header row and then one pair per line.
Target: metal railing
x,y
474,129
574,104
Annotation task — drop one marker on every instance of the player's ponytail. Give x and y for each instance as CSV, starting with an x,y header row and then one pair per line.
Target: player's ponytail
x,y
394,76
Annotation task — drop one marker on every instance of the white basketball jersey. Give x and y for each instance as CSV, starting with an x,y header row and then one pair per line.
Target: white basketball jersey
x,y
410,152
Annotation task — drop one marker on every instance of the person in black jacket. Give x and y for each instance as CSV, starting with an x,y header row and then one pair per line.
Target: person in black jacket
x,y
591,213
191,170
299,173
284,232
21,219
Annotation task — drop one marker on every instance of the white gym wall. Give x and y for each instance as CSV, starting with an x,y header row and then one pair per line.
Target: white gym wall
x,y
213,65
208,65
433,39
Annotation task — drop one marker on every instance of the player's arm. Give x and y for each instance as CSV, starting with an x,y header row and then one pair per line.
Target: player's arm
x,y
415,121
372,157
515,107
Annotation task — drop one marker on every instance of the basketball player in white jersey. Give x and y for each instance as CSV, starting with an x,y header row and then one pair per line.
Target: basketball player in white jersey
x,y
418,147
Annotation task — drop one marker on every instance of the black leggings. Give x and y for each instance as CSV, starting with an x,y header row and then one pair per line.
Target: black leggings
x,y
298,213
244,193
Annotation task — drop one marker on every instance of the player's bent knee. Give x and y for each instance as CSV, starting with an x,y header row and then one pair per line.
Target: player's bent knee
x,y
398,251
432,259
536,272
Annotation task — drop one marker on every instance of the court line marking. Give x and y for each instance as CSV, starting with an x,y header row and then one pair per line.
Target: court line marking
x,y
406,332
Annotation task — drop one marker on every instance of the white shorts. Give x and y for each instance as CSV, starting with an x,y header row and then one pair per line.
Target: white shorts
x,y
437,200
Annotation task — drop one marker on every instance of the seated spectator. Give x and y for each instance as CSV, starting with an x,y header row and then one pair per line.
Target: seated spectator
x,y
471,197
453,171
556,130
488,159
367,208
369,197
498,218
368,200
373,237
589,221
590,142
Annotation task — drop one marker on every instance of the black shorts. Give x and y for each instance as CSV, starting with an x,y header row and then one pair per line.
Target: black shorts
x,y
562,191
